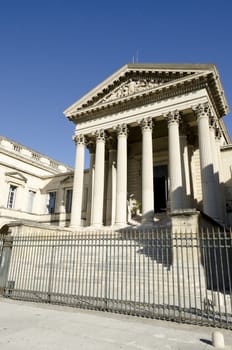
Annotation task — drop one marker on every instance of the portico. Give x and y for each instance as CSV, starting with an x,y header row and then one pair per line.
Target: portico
x,y
146,117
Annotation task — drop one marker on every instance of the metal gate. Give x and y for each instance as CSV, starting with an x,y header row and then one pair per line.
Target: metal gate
x,y
183,277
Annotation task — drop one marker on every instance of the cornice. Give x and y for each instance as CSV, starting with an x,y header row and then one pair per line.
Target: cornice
x,y
139,101
17,152
28,161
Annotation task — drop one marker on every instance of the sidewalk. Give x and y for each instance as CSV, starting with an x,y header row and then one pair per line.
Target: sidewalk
x,y
30,326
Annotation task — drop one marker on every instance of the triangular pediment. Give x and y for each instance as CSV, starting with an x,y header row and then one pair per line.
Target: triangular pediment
x,y
67,179
135,79
16,176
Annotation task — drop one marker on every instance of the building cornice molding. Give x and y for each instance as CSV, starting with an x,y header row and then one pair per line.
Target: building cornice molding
x,y
31,157
132,116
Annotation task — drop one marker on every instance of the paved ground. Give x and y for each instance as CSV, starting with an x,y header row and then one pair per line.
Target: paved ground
x,y
40,326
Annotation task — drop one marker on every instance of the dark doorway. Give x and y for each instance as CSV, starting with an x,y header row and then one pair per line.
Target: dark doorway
x,y
160,188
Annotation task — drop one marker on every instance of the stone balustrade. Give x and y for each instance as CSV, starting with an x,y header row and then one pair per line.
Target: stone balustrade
x,y
31,155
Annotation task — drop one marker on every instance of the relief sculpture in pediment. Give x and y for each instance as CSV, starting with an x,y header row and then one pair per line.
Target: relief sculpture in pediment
x,y
129,88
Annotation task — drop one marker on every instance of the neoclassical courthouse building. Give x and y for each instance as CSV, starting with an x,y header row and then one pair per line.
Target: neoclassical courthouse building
x,y
158,147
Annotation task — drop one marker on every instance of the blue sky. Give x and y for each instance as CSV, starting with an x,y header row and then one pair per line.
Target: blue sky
x,y
53,51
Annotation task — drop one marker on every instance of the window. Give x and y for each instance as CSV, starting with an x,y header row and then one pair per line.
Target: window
x,y
68,201
51,204
11,196
31,197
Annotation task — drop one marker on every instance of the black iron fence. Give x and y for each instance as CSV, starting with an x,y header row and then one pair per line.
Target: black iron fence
x,y
185,277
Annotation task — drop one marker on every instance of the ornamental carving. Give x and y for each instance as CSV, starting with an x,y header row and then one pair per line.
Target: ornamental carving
x,y
79,139
202,109
100,135
212,122
218,134
146,123
122,129
91,145
131,87
111,143
173,117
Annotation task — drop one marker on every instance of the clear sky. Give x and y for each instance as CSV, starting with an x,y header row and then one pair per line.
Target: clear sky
x,y
54,51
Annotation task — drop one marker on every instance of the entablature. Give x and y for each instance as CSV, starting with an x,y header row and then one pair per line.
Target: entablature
x,y
131,117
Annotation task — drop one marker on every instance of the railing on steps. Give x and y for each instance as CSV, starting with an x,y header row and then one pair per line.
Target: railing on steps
x,y
184,277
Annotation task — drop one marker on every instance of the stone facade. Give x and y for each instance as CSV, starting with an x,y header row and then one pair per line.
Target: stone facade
x,y
33,186
157,146
159,142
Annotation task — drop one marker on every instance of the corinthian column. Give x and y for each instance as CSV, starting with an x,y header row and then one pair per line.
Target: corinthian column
x,y
110,198
121,182
220,174
212,129
91,147
147,172
78,181
206,161
175,169
185,168
98,190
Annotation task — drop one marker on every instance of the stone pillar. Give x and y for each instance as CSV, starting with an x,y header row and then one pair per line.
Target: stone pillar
x,y
78,182
187,196
175,170
5,261
98,190
206,163
212,129
121,182
218,149
220,175
110,185
91,147
147,172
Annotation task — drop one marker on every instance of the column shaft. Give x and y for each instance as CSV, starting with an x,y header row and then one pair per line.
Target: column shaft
x,y
90,184
187,202
78,182
215,169
147,172
98,190
206,163
220,175
175,170
121,185
109,200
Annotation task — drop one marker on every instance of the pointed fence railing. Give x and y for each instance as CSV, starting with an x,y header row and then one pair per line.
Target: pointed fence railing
x,y
186,277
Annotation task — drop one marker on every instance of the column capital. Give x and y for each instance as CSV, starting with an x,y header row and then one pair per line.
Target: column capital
x,y
79,139
173,117
146,123
184,129
91,145
111,143
212,122
218,133
202,109
122,129
100,135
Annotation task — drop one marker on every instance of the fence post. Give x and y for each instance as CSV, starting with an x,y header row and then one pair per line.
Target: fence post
x,y
187,266
5,260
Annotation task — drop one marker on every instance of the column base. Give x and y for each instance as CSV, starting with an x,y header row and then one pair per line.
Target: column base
x,y
73,227
96,226
120,225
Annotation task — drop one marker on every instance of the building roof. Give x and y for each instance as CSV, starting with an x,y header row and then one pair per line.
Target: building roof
x,y
162,78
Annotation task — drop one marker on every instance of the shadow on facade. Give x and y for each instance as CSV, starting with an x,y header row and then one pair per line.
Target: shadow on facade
x,y
155,244
216,258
